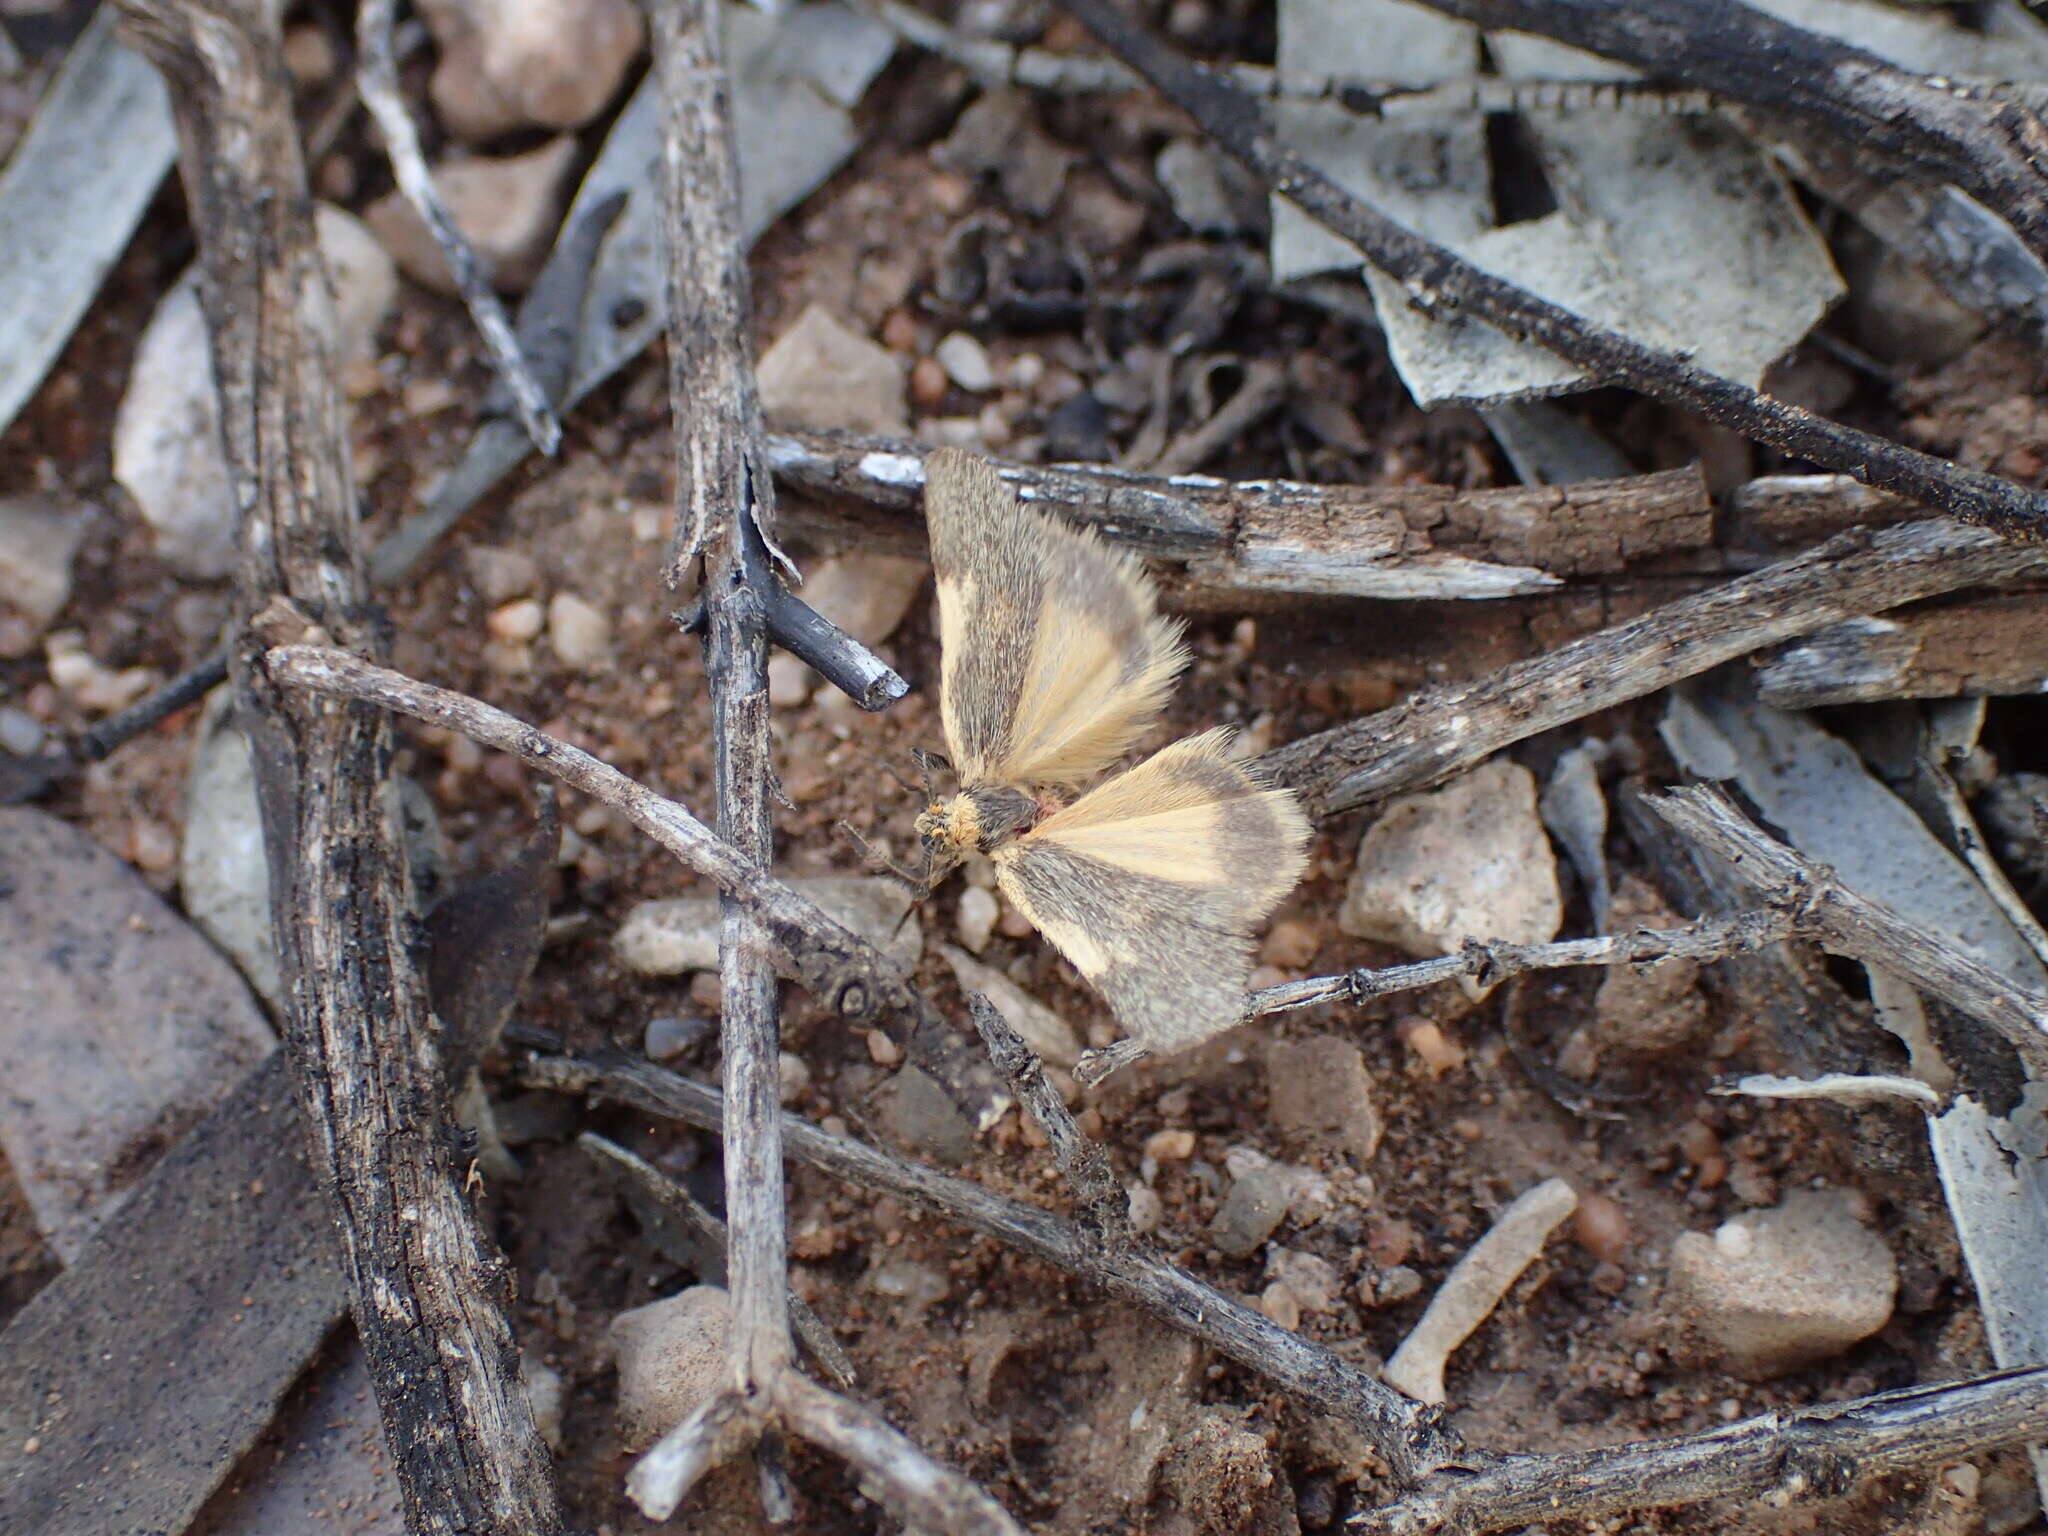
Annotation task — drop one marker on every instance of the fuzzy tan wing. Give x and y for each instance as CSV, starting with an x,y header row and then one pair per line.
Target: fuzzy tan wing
x,y
1054,655
1151,885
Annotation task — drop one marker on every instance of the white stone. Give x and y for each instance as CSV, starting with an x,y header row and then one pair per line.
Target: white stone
x,y
1777,1289
500,574
167,449
508,64
669,938
223,873
821,376
976,919
865,595
507,207
966,362
39,536
1045,1031
91,684
671,1357
1468,861
580,632
516,622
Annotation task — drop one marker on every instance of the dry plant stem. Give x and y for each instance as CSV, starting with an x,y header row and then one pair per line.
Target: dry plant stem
x,y
1845,923
1782,1458
1410,1437
863,987
722,496
1986,138
377,80
1496,960
427,1294
1438,280
1105,1209
1441,731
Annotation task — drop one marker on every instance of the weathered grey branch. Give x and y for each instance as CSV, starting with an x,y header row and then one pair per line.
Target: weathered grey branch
x,y
1493,961
1991,644
426,1291
1410,1437
1785,1457
1247,541
377,81
1436,279
1985,137
1105,1209
724,494
1845,923
1443,730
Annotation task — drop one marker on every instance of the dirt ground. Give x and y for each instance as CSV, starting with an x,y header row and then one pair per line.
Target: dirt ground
x,y
1025,1379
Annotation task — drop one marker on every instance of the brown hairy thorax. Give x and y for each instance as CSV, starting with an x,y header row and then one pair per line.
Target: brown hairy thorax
x,y
980,819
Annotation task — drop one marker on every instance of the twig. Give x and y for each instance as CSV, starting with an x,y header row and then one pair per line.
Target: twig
x,y
1984,137
1495,960
1252,538
1784,1457
722,496
1412,1439
1443,730
998,63
377,81
1105,1209
426,1291
1438,280
1847,924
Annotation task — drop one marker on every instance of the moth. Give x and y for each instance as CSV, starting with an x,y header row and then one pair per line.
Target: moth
x,y
1055,660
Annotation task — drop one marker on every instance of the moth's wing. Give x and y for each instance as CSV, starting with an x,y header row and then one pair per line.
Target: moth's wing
x,y
1054,655
1152,883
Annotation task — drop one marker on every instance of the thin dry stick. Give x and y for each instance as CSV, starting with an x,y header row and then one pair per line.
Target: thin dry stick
x,y
1409,1437
1845,923
1436,279
377,80
426,1290
1790,1456
1495,960
1985,137
725,500
723,494
1439,732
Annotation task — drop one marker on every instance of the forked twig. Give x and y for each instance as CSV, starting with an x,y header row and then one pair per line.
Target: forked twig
x,y
725,502
377,81
1438,280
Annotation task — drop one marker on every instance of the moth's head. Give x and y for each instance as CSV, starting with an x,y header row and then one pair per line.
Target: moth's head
x,y
949,831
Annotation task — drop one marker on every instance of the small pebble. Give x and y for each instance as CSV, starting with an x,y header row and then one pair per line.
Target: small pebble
x,y
152,846
966,362
580,632
1398,1284
308,54
899,331
667,1036
1290,943
1171,1146
20,732
1435,1050
1147,1209
1389,1242
1279,1304
977,918
789,681
882,1050
516,622
500,574
1601,1227
927,383
1014,924
671,1357
794,1076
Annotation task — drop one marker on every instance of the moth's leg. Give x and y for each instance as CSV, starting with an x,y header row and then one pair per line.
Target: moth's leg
x,y
918,883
